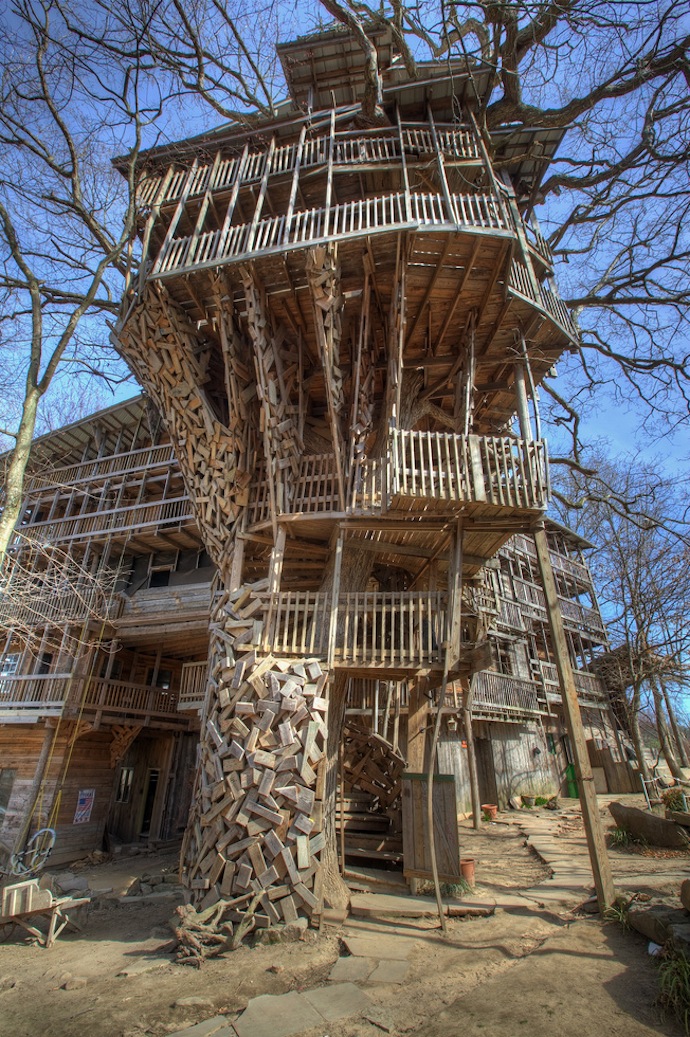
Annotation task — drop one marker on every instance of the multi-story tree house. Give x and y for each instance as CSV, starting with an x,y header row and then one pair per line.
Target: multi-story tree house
x,y
102,681
338,322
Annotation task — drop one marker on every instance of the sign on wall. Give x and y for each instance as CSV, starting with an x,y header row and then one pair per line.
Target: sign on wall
x,y
85,801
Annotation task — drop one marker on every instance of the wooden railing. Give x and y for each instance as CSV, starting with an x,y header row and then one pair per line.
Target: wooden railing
x,y
499,692
362,149
42,693
589,686
297,622
103,467
353,219
193,685
131,699
402,629
176,510
574,614
563,563
424,465
370,628
538,243
548,298
511,614
43,607
467,469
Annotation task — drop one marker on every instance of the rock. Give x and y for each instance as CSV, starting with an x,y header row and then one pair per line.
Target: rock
x,y
7,983
380,1017
655,922
275,969
145,888
74,983
654,830
554,803
685,894
71,883
134,888
680,934
193,1002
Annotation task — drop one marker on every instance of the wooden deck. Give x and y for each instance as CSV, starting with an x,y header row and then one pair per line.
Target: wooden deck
x,y
426,471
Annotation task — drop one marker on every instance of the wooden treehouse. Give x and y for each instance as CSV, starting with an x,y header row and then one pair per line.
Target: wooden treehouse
x,y
339,323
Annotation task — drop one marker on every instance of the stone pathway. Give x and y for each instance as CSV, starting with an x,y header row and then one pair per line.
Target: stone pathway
x,y
374,958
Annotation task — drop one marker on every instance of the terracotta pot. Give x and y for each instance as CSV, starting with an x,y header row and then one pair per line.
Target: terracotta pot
x,y
491,809
528,801
467,869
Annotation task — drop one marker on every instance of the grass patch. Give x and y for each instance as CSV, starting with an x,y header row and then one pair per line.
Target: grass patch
x,y
618,912
456,889
621,839
674,985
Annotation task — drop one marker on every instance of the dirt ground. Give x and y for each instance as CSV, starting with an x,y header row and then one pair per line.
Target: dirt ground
x,y
518,971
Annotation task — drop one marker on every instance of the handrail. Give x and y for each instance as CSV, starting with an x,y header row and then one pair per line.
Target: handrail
x,y
360,149
125,697
357,218
548,298
113,464
500,691
34,690
112,520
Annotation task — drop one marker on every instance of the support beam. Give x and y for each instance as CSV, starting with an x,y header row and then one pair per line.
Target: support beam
x,y
601,867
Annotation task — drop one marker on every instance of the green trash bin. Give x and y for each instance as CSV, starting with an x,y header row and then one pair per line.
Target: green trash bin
x,y
571,781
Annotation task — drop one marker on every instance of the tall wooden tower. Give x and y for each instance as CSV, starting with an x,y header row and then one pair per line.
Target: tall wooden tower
x,y
339,322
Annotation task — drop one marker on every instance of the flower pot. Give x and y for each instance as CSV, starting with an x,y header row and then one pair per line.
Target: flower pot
x,y
528,801
467,869
491,809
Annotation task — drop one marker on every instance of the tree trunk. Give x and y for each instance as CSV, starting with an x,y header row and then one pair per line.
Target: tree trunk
x,y
19,459
635,733
677,736
664,733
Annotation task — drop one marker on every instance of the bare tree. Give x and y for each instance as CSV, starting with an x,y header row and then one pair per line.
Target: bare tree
x,y
641,567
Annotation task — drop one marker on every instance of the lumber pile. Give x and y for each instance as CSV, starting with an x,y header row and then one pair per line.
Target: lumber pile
x,y
170,359
256,828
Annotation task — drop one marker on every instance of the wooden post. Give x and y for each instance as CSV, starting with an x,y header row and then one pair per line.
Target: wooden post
x,y
601,867
521,402
471,755
333,622
295,184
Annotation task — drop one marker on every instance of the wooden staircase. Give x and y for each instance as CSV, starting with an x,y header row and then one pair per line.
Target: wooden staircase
x,y
368,810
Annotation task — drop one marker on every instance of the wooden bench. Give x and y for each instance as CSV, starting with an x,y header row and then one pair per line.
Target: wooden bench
x,y
25,902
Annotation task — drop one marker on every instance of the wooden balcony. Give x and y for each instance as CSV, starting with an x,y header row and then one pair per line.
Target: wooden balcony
x,y
119,700
100,469
47,608
421,470
27,698
376,148
113,523
438,467
591,690
582,618
193,686
361,218
547,299
392,631
562,563
500,696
